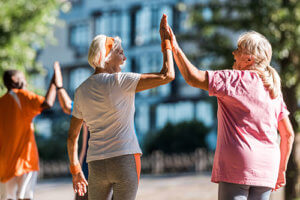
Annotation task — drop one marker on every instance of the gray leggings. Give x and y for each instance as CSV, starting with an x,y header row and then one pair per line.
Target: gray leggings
x,y
115,178
231,191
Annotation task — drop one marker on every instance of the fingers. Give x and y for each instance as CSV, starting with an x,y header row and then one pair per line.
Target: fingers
x,y
56,65
80,188
278,186
171,32
163,21
79,184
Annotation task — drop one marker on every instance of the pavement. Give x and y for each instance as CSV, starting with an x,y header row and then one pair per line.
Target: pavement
x,y
175,187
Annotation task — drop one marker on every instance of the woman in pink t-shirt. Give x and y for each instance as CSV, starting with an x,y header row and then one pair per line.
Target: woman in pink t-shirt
x,y
248,161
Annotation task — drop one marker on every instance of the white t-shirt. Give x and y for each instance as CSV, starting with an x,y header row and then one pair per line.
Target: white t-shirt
x,y
106,103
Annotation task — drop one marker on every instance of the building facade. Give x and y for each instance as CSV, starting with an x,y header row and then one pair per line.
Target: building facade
x,y
136,22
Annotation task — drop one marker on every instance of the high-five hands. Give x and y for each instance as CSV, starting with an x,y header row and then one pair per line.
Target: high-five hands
x,y
166,33
164,28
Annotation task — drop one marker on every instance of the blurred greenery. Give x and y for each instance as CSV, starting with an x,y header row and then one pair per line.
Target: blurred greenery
x,y
54,148
183,137
24,26
217,24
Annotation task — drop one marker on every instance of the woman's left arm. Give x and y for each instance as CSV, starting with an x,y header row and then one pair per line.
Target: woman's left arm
x,y
286,143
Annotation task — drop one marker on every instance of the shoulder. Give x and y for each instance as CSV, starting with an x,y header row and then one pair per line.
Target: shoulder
x,y
121,76
26,93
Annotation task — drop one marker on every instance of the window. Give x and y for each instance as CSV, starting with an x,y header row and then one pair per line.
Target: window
x,y
147,23
155,21
174,113
111,24
142,26
77,76
142,119
148,63
204,113
126,24
79,38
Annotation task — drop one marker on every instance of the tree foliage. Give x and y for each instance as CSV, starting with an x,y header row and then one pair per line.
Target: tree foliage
x,y
177,138
24,26
217,23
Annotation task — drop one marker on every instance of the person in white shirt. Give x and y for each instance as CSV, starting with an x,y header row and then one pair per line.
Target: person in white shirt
x,y
105,102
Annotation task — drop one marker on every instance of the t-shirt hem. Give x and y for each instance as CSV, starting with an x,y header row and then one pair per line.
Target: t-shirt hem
x,y
257,182
25,171
111,155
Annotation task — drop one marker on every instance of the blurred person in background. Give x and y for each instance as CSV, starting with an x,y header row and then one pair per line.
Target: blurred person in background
x,y
105,101
250,111
19,160
67,106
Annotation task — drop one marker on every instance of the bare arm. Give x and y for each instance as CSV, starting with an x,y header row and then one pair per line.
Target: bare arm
x,y
193,76
286,144
64,101
50,96
79,181
74,131
167,73
63,97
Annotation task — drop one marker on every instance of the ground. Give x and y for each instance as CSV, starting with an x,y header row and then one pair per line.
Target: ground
x,y
175,187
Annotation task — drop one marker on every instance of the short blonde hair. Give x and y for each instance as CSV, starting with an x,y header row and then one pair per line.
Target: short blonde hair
x,y
259,47
98,46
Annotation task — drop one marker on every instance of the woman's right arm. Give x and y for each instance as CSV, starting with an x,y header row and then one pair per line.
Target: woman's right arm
x,y
167,73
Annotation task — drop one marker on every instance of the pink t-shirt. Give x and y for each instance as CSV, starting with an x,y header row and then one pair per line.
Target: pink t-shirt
x,y
247,151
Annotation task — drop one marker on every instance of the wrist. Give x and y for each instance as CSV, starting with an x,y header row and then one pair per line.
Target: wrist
x,y
166,44
75,169
59,88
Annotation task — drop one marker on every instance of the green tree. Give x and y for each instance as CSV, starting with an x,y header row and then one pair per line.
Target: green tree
x,y
24,26
184,137
218,22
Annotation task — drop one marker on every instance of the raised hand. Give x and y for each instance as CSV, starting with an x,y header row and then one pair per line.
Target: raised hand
x,y
58,80
163,30
173,39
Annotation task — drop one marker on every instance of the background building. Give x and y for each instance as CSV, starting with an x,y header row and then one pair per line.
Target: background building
x,y
136,22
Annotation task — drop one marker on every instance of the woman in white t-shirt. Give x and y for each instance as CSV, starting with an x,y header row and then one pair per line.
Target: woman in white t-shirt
x,y
105,102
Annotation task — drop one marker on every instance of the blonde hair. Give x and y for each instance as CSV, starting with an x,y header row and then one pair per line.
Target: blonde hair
x,y
259,47
98,46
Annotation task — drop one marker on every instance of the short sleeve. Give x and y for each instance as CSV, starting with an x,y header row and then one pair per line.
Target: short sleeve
x,y
127,81
283,110
216,83
223,82
76,111
32,102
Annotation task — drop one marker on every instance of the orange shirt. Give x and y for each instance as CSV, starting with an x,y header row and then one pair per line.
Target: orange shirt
x,y
18,150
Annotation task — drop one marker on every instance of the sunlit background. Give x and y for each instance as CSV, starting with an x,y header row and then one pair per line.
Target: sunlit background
x,y
176,124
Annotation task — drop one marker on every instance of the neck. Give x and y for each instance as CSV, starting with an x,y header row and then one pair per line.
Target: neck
x,y
108,69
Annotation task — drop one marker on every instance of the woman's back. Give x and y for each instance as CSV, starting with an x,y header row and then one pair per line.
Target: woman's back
x,y
247,128
106,103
